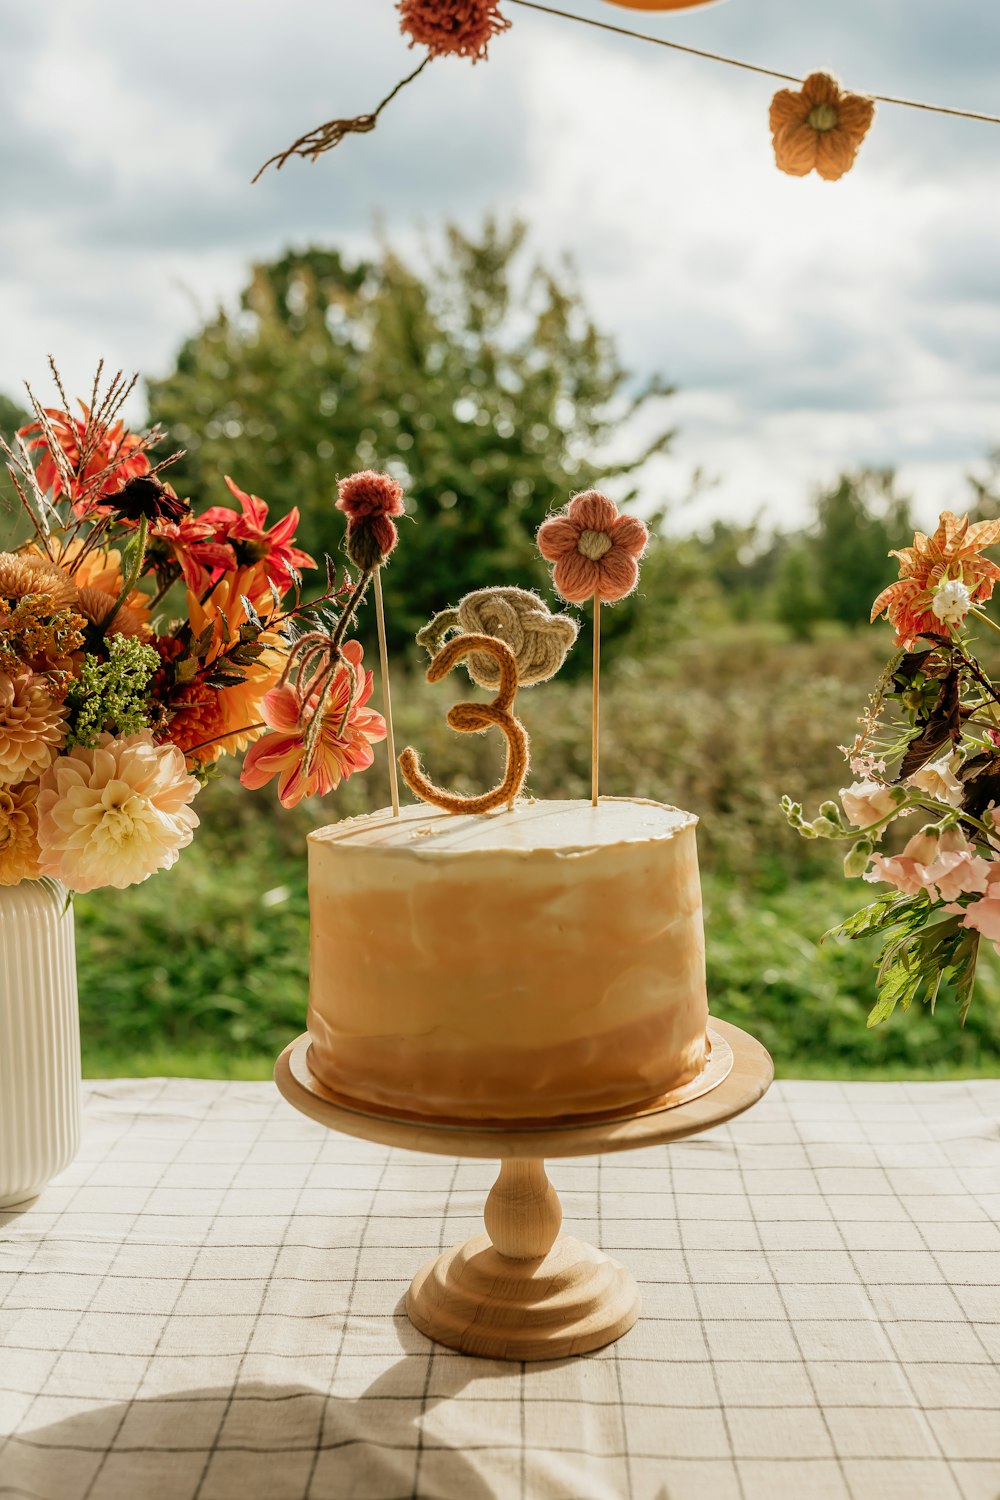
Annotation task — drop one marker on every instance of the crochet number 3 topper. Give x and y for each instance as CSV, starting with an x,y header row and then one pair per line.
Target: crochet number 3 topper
x,y
595,552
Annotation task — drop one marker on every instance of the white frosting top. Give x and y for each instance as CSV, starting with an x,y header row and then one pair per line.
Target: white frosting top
x,y
565,827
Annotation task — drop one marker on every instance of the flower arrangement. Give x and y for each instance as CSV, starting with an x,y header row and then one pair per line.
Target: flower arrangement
x,y
112,714
928,749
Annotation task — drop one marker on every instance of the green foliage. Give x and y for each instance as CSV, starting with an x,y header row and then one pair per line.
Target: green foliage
x,y
798,603
481,383
14,525
920,958
110,696
190,971
857,523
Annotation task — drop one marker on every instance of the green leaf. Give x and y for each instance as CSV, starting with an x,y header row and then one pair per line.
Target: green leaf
x,y
890,910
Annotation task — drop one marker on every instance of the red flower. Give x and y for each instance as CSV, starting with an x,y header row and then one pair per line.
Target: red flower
x,y
595,550
459,28
953,552
191,544
250,544
344,744
113,456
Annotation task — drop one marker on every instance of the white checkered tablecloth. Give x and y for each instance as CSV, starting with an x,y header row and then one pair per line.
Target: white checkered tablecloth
x,y
207,1306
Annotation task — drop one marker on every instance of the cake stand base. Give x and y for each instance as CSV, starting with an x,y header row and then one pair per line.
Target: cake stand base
x,y
474,1299
521,1290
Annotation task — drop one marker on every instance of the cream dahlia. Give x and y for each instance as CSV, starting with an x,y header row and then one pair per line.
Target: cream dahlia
x,y
114,814
18,833
32,726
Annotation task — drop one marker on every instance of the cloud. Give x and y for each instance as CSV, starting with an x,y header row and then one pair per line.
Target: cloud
x,y
809,326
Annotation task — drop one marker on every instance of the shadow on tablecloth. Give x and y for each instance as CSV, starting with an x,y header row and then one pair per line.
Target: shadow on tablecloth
x,y
257,1442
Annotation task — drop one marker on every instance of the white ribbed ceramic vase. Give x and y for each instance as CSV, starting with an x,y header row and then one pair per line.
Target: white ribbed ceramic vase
x,y
39,1038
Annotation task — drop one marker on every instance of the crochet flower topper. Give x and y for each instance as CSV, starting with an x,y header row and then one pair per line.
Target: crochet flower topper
x,y
508,638
319,730
595,552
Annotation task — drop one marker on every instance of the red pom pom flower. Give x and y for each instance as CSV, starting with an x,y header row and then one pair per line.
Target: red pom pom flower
x,y
368,500
455,28
595,550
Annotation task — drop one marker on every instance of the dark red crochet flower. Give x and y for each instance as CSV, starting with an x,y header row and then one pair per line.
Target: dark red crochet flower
x,y
369,494
455,28
144,495
368,500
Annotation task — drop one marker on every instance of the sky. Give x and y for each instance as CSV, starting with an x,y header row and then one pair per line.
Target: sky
x,y
808,327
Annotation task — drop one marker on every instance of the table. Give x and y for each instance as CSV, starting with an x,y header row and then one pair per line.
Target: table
x,y
208,1306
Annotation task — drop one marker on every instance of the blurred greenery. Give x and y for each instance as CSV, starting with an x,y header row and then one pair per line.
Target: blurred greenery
x,y
192,973
479,377
480,382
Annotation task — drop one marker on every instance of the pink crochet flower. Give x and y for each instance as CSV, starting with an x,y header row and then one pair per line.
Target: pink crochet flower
x,y
595,550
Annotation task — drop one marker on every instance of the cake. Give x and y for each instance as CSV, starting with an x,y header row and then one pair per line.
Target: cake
x,y
532,963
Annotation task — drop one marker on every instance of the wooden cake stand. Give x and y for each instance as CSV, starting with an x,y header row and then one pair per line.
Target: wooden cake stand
x,y
522,1290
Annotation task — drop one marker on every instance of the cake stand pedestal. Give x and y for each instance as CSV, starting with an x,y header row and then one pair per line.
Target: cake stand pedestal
x,y
522,1290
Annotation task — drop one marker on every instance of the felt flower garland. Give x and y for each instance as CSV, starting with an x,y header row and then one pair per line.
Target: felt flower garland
x,y
819,128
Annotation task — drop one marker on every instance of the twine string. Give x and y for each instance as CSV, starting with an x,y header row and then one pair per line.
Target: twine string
x,y
736,62
324,137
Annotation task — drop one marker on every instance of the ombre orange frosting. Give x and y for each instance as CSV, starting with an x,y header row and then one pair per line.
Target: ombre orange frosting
x,y
533,963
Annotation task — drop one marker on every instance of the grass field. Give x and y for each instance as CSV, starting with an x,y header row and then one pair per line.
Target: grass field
x,y
203,970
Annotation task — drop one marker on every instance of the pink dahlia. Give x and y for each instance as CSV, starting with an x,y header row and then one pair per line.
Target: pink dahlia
x,y
344,744
114,814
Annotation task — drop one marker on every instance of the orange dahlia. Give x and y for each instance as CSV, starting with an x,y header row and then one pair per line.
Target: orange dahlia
x,y
953,553
100,568
30,573
18,833
819,127
32,726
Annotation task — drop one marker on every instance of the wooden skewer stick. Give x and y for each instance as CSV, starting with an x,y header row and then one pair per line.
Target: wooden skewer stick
x,y
386,695
595,735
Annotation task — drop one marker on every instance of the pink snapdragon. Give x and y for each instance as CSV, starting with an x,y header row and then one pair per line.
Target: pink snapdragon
x,y
940,861
909,872
867,802
939,781
984,915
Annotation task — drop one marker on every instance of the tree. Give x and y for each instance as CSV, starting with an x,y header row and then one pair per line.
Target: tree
x,y
13,524
858,522
482,383
797,600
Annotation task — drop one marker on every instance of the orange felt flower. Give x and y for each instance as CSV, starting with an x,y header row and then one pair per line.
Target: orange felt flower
x,y
819,127
344,743
953,552
595,550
